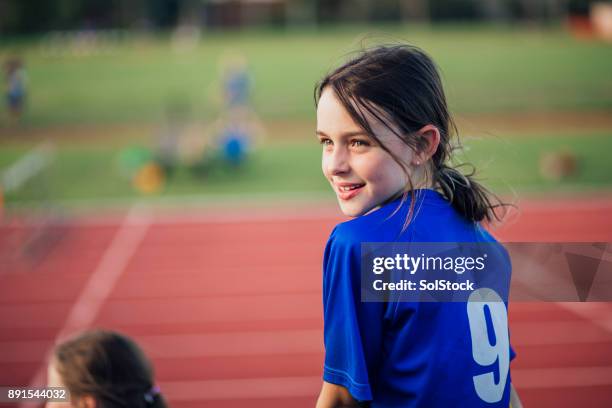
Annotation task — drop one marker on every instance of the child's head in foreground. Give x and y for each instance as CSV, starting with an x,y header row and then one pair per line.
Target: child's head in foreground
x,y
386,130
103,369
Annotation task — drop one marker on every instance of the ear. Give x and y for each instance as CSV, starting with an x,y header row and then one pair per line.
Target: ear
x,y
429,137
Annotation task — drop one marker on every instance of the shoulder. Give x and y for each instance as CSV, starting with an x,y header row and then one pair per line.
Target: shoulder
x,y
349,235
389,222
350,232
431,219
343,249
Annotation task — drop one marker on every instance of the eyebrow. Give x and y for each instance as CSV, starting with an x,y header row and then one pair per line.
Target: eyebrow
x,y
345,134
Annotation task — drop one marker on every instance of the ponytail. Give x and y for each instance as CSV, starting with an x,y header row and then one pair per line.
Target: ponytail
x,y
470,198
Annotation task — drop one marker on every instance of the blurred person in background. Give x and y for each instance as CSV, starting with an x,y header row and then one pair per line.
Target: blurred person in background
x,y
16,79
238,127
235,80
103,369
236,133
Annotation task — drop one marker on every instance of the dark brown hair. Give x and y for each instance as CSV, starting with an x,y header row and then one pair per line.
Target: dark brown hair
x,y
400,86
109,367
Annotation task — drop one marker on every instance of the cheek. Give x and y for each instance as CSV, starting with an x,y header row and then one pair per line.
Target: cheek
x,y
380,169
389,176
368,166
324,165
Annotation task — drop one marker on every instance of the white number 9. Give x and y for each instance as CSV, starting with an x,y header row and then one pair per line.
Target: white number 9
x,y
485,353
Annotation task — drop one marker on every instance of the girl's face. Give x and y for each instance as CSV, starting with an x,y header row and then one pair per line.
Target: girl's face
x,y
360,171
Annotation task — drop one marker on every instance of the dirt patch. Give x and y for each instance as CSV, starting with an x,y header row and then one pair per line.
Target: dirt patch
x,y
530,123
508,124
68,135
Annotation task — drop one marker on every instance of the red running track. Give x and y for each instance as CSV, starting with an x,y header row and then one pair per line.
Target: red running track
x,y
228,306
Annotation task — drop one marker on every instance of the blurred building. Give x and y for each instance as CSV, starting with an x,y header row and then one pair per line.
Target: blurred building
x,y
239,13
28,16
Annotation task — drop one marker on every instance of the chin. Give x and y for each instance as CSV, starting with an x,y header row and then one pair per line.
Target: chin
x,y
352,210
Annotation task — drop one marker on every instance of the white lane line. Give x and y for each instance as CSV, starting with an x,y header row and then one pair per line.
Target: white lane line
x,y
243,388
557,333
214,216
280,387
317,210
234,344
277,342
102,281
107,273
591,312
228,344
529,378
235,217
223,200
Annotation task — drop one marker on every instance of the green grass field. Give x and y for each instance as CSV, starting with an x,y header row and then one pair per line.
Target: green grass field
x,y
486,69
505,164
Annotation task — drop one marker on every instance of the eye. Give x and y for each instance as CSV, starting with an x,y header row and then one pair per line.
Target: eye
x,y
359,143
325,141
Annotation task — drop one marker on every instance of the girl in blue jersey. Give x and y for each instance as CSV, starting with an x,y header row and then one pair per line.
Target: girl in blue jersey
x,y
385,128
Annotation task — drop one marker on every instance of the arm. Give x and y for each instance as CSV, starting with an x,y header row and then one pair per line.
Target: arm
x,y
515,401
352,330
335,396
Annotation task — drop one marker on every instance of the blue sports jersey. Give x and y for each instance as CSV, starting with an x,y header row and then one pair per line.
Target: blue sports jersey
x,y
410,354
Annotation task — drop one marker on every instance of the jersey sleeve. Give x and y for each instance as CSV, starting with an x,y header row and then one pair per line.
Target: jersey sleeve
x,y
352,329
508,261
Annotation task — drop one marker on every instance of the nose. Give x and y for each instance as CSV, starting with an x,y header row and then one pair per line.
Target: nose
x,y
336,161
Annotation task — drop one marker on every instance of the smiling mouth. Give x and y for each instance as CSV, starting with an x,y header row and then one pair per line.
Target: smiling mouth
x,y
349,191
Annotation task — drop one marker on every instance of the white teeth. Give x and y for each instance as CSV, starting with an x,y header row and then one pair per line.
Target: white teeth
x,y
349,188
